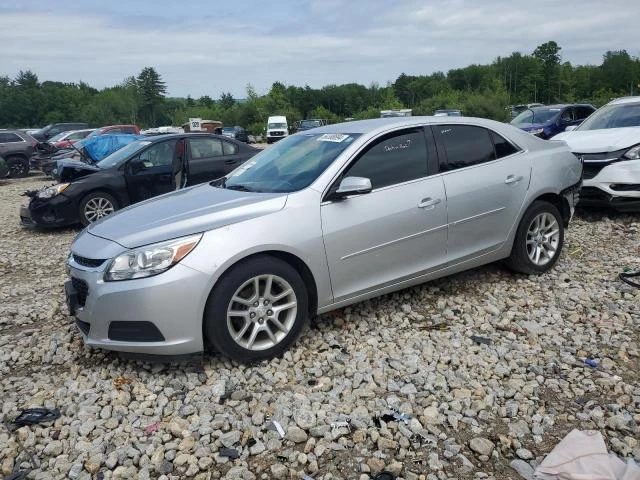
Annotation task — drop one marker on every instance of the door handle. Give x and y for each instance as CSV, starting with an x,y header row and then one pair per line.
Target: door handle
x,y
429,203
231,162
513,179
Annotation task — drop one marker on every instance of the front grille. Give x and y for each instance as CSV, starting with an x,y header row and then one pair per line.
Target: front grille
x,y
277,134
82,288
590,170
593,194
87,262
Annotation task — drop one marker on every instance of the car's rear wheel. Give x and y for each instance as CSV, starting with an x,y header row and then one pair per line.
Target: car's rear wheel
x,y
257,310
18,167
539,239
96,205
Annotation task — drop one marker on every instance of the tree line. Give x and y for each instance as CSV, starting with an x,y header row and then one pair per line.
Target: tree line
x,y
477,90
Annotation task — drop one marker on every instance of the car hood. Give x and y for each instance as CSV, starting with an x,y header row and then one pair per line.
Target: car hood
x,y
67,170
184,212
604,140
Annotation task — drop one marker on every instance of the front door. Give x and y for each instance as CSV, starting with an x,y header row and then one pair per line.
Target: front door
x,y
486,179
151,172
394,232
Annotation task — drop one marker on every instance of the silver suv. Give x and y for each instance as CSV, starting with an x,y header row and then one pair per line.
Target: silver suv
x,y
322,219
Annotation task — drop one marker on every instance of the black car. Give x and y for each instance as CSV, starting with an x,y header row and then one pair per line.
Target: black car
x,y
53,129
140,170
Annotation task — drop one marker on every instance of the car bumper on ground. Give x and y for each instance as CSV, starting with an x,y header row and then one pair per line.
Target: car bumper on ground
x,y
59,211
159,315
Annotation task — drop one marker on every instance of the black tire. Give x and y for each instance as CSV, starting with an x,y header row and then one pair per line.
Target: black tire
x,y
519,259
18,167
215,324
269,141
95,197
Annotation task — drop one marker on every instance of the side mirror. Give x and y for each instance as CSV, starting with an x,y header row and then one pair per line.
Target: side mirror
x,y
352,186
570,127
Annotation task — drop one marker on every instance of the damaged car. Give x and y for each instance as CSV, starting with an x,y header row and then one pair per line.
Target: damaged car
x,y
144,168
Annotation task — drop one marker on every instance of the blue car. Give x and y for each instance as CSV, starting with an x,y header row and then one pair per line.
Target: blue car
x,y
549,120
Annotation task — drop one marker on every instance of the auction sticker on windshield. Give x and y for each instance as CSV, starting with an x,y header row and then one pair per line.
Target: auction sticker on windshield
x,y
333,137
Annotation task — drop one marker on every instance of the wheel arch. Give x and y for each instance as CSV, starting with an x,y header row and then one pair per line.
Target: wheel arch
x,y
105,189
557,200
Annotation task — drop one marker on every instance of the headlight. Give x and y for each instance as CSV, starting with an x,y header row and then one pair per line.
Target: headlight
x,y
537,131
150,260
633,153
51,192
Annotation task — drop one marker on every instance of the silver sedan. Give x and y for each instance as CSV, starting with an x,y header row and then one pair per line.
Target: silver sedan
x,y
322,219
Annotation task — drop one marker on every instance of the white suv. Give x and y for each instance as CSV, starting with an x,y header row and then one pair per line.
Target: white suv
x,y
609,144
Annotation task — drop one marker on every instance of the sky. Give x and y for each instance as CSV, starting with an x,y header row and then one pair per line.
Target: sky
x,y
206,47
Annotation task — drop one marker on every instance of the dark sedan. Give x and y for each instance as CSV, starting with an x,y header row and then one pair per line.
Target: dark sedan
x,y
136,172
547,121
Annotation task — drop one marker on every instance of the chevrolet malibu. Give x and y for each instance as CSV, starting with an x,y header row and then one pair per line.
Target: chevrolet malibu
x,y
322,219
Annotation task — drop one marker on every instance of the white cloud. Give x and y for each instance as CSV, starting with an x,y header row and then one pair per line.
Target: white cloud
x,y
329,42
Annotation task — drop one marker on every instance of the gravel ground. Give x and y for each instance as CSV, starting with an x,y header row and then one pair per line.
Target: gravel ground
x,y
473,410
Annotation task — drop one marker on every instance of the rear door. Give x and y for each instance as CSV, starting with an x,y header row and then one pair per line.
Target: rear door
x,y
211,158
151,172
486,178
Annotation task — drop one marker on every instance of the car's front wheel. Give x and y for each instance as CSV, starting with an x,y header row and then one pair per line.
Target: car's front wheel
x,y
539,239
96,205
257,310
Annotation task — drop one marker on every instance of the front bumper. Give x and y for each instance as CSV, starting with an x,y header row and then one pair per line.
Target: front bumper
x,y
160,315
616,185
59,211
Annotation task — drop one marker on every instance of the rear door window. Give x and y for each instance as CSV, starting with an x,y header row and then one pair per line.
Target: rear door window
x,y
395,158
503,147
464,145
583,112
205,148
229,148
10,138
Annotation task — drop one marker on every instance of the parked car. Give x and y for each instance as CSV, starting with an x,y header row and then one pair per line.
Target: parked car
x,y
447,112
609,144
16,147
547,121
237,133
277,128
4,169
54,129
138,171
514,110
308,124
116,130
66,139
321,220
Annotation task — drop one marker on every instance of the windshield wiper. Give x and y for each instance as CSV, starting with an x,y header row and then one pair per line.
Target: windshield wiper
x,y
239,187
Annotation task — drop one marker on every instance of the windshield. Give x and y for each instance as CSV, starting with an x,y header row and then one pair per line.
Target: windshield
x,y
613,116
538,115
228,130
120,156
277,125
291,164
58,137
310,123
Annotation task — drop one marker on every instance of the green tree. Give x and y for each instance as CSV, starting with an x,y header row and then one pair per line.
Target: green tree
x,y
151,91
227,101
549,56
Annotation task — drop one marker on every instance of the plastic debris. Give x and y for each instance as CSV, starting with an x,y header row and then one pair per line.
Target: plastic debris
x,y
627,275
32,416
151,428
229,452
592,362
390,417
344,424
275,425
477,339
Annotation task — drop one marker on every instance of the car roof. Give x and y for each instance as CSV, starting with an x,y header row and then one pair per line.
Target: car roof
x,y
623,100
372,125
560,105
164,136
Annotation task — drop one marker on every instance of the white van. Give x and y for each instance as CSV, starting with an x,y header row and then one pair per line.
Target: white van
x,y
277,128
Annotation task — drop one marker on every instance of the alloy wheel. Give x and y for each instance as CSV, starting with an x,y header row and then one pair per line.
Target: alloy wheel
x,y
262,312
543,238
97,208
17,169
